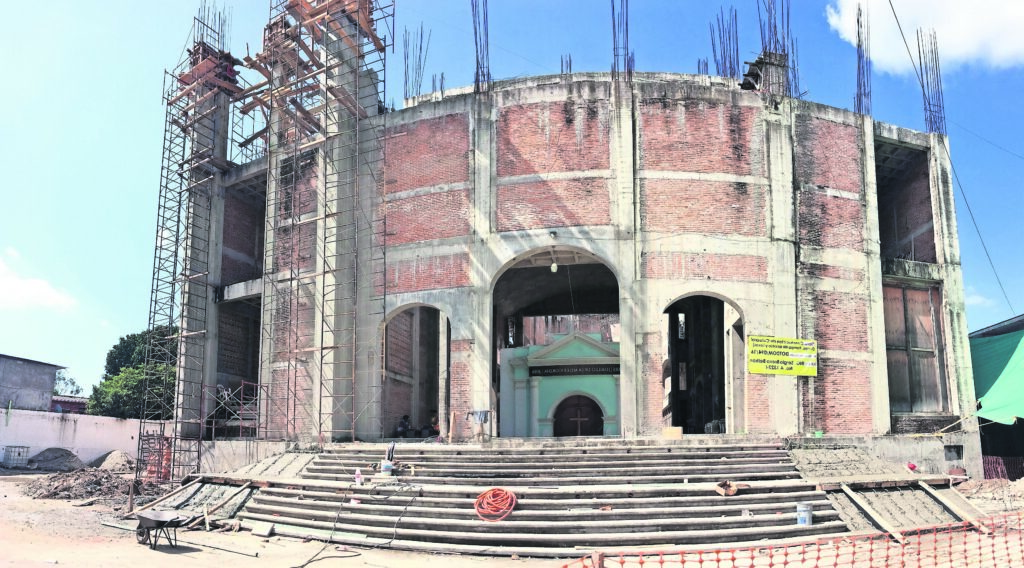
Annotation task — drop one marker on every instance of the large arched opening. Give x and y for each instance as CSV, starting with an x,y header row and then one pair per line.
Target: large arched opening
x,y
556,330
416,383
705,370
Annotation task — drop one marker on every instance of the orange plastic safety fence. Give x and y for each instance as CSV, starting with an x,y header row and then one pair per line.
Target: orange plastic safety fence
x,y
996,541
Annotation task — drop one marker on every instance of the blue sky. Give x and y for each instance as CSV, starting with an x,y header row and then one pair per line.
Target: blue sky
x,y
81,128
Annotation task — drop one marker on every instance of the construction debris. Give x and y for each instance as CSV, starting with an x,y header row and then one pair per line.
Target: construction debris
x,y
85,483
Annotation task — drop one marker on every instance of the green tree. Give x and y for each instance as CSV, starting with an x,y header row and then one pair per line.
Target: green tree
x,y
66,385
121,395
130,350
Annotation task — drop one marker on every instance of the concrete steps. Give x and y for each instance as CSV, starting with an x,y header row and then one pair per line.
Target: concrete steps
x,y
604,496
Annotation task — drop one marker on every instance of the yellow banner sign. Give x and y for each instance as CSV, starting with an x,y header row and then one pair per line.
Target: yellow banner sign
x,y
782,356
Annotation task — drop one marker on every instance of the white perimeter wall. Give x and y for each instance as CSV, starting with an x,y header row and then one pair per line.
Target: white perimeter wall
x,y
88,437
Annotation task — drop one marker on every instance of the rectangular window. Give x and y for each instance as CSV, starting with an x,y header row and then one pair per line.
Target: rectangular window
x,y
913,346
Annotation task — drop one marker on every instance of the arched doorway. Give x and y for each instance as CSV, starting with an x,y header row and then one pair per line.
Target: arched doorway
x,y
578,415
705,371
416,363
541,298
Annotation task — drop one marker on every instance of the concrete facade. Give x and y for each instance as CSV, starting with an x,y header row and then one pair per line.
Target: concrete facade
x,y
793,218
26,384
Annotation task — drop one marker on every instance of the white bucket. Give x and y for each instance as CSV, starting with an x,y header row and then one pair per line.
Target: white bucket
x,y
804,514
386,466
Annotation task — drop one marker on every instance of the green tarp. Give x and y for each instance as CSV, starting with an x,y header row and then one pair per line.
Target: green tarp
x,y
998,364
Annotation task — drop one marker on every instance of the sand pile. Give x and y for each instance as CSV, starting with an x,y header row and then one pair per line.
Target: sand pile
x,y
116,460
55,459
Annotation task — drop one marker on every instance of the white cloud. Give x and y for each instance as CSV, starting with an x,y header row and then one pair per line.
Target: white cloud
x,y
974,298
17,291
12,253
987,33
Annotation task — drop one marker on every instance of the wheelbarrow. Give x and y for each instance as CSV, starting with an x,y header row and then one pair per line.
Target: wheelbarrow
x,y
152,524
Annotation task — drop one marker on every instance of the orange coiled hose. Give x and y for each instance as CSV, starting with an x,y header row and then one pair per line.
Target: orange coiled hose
x,y
495,504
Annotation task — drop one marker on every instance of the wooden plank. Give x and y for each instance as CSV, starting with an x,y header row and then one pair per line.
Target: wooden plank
x,y
954,509
872,514
221,504
879,483
164,498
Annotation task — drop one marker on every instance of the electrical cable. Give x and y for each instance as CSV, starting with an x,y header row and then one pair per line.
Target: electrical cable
x,y
495,504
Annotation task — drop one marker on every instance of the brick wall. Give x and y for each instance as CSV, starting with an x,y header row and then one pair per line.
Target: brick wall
x,y
555,203
690,206
397,403
842,397
553,137
238,340
242,257
461,351
438,215
291,412
827,154
758,414
837,320
427,273
830,221
699,136
652,356
295,247
818,270
705,266
427,152
399,344
905,208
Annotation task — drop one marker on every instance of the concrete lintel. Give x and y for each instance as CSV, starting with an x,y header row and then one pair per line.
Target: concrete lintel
x,y
243,290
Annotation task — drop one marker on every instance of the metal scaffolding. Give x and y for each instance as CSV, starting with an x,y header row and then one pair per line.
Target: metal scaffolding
x,y
323,271
197,97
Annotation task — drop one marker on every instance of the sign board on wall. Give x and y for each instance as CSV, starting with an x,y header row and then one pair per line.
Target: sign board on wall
x,y
782,356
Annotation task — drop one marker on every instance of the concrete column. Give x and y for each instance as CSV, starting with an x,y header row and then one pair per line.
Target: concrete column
x,y
880,415
784,393
483,118
626,209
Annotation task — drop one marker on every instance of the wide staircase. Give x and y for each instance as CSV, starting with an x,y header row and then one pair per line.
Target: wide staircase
x,y
572,496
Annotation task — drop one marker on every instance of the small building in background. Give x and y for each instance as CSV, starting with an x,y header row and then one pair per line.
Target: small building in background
x,y
26,384
68,404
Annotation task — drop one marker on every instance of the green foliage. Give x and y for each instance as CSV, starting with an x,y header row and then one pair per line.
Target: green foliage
x,y
66,385
130,350
122,395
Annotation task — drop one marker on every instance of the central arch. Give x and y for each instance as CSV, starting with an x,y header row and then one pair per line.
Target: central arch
x,y
544,296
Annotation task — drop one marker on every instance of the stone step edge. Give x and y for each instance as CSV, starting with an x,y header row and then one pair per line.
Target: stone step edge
x,y
550,503
372,508
756,486
720,535
521,551
560,482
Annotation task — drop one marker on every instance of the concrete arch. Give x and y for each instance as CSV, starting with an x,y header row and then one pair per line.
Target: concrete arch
x,y
541,250
420,385
550,414
704,373
382,325
710,294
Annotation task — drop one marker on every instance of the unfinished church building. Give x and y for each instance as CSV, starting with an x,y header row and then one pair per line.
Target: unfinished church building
x,y
583,254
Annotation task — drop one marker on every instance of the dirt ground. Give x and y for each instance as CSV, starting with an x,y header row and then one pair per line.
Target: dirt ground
x,y
47,532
